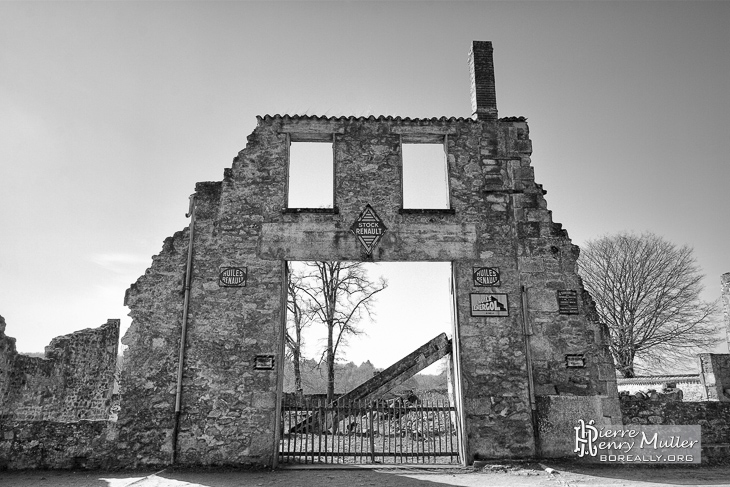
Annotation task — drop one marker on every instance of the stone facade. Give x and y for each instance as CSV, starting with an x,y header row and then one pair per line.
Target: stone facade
x,y
497,217
539,348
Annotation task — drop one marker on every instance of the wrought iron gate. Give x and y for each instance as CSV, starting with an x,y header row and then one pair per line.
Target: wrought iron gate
x,y
368,432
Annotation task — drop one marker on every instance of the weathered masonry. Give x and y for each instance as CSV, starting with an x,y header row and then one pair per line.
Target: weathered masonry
x,y
55,412
725,286
496,222
528,354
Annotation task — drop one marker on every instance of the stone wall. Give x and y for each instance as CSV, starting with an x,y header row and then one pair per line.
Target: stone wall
x,y
58,445
54,411
74,381
712,383
497,218
559,415
690,385
725,289
715,376
713,417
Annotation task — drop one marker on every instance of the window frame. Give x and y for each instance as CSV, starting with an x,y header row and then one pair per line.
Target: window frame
x,y
426,138
305,137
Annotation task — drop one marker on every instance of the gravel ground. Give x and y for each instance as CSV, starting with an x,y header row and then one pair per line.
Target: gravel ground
x,y
516,475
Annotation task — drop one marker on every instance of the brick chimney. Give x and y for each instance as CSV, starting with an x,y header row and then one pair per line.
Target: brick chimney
x,y
483,96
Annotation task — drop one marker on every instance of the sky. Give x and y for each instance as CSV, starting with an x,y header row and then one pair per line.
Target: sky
x,y
111,111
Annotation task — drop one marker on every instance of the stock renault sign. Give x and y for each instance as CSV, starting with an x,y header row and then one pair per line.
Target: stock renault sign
x,y
368,228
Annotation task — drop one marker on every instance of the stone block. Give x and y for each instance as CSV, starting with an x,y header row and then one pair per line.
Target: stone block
x,y
531,264
545,390
528,230
544,300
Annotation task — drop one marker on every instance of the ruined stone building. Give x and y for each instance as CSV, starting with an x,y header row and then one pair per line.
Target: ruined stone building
x,y
528,354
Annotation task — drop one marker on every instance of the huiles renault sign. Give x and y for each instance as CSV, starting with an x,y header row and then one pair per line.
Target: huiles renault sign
x,y
368,228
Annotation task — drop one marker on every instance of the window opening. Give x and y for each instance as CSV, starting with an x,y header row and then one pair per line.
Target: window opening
x,y
311,175
425,176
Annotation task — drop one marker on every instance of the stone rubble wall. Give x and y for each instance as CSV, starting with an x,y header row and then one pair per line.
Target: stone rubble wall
x,y
74,381
691,386
712,383
147,392
498,217
55,411
58,445
712,416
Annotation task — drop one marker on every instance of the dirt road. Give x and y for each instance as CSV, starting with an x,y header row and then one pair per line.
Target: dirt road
x,y
533,475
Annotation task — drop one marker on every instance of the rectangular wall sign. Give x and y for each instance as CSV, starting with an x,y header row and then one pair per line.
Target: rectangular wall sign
x,y
489,304
575,360
486,276
567,302
263,362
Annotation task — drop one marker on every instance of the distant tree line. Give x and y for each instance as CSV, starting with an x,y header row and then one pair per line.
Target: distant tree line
x,y
349,376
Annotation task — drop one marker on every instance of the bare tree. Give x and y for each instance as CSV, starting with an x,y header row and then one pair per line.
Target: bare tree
x,y
647,290
339,294
299,317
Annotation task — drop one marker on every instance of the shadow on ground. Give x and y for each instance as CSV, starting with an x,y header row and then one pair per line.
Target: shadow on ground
x,y
493,475
320,478
653,474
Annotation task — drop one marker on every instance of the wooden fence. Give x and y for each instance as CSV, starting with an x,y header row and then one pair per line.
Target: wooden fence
x,y
368,432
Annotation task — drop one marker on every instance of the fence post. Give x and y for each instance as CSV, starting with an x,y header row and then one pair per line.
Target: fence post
x,y
372,433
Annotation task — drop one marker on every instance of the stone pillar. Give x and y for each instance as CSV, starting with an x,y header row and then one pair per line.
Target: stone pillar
x,y
715,376
483,95
725,283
